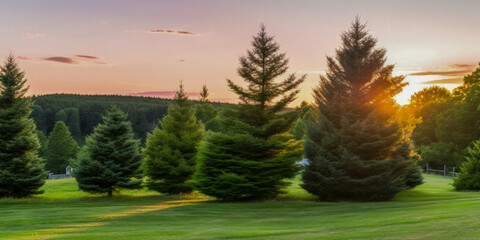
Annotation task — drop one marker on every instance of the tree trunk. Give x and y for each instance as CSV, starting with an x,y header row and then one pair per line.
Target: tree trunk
x,y
110,193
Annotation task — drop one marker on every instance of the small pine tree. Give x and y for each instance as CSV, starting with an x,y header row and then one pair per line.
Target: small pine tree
x,y
61,148
356,149
111,157
170,152
204,111
469,179
21,173
254,154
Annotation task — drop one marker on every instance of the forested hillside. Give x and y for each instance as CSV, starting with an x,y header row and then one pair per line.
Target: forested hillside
x,y
82,113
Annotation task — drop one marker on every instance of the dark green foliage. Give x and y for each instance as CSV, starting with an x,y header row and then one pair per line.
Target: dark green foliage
x,y
252,155
61,116
439,153
204,110
469,179
244,167
111,157
300,127
39,116
356,150
425,131
61,148
170,152
42,139
414,177
143,112
73,123
21,173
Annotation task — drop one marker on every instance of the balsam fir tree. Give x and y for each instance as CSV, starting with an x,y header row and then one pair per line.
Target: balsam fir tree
x,y
21,173
61,149
356,149
111,158
170,152
254,154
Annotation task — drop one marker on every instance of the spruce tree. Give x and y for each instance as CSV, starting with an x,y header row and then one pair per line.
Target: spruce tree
x,y
170,152
21,173
111,158
61,149
254,153
356,149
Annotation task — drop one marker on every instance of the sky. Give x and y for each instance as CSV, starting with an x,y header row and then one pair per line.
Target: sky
x,y
138,46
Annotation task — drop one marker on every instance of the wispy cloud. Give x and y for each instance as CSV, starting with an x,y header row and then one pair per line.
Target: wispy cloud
x,y
445,81
32,35
453,70
170,31
86,56
77,59
181,60
66,60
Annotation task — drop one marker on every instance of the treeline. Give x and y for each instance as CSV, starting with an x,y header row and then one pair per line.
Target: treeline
x,y
81,113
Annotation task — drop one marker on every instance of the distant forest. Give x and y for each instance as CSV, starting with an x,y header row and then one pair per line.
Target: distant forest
x,y
82,113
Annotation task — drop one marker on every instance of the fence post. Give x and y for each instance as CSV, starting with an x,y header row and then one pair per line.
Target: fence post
x,y
453,171
426,170
444,170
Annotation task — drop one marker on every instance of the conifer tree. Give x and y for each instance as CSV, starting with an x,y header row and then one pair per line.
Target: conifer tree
x,y
61,149
254,153
21,173
170,152
204,111
111,158
356,149
469,179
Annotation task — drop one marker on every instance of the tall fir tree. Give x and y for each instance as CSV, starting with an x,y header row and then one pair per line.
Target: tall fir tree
x,y
111,158
254,153
204,111
21,171
170,152
356,149
61,148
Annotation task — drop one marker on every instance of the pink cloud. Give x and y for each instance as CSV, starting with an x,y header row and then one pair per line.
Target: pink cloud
x,y
169,31
66,60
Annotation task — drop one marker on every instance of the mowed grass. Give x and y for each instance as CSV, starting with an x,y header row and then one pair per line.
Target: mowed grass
x,y
430,211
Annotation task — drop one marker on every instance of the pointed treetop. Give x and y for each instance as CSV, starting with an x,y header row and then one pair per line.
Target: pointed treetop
x,y
12,79
204,94
180,94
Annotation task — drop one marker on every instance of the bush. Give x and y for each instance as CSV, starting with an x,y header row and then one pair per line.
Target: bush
x,y
469,179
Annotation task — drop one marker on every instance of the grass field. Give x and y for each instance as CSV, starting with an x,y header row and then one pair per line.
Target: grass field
x,y
430,211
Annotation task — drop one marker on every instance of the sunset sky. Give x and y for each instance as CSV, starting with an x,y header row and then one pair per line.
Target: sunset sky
x,y
122,47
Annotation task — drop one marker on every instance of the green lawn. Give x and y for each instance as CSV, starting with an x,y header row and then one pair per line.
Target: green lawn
x,y
430,211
